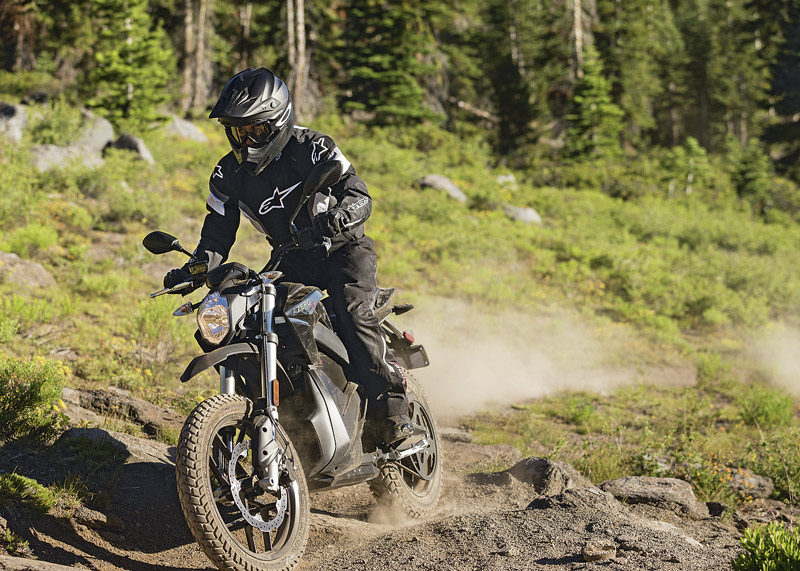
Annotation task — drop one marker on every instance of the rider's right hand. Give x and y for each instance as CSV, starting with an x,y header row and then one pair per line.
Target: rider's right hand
x,y
177,276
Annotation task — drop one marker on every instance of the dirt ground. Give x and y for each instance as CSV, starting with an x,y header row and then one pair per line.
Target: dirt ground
x,y
481,523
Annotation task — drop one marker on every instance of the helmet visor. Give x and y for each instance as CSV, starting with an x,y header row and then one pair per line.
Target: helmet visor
x,y
253,135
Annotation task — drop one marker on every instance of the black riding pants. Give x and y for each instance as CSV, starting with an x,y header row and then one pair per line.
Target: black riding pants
x,y
349,276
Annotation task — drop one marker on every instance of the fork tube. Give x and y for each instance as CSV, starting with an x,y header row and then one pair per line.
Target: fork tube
x,y
227,382
269,370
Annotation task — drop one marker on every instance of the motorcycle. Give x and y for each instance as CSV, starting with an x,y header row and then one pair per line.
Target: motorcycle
x,y
288,419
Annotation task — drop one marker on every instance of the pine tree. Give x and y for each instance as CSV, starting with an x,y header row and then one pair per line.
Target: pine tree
x,y
133,63
596,121
384,54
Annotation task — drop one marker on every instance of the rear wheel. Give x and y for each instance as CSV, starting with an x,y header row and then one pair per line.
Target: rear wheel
x,y
238,526
413,484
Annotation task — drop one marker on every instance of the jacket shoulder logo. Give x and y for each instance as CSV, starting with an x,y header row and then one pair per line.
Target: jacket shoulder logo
x,y
318,150
217,171
276,200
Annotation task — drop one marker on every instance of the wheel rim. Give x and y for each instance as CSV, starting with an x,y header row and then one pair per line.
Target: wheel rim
x,y
419,470
273,542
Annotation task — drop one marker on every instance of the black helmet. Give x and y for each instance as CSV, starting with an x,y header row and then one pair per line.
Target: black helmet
x,y
255,97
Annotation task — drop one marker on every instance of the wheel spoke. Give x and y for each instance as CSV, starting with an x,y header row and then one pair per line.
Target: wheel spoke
x,y
251,542
268,544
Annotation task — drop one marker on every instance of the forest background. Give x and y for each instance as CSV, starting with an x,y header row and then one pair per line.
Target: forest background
x,y
658,140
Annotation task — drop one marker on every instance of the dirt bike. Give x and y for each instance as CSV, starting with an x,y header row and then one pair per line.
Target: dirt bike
x,y
244,472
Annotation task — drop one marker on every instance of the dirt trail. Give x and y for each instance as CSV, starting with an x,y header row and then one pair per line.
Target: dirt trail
x,y
483,522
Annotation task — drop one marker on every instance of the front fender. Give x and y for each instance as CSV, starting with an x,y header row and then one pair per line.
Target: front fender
x,y
203,362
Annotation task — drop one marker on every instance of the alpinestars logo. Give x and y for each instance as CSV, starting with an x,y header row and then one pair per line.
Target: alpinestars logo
x,y
318,151
276,200
217,171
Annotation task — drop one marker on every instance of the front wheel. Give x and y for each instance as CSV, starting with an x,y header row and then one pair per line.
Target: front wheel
x,y
239,527
414,483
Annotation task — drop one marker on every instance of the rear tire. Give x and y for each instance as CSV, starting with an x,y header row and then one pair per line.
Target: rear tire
x,y
413,484
203,461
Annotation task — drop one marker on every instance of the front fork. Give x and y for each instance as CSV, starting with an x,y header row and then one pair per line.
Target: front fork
x,y
266,450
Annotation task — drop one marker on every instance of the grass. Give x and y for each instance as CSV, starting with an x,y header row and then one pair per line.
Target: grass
x,y
710,434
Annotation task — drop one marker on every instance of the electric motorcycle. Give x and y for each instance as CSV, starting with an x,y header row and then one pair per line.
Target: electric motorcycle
x,y
289,419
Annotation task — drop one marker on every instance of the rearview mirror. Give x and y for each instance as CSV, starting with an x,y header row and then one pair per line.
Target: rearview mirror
x,y
323,175
160,243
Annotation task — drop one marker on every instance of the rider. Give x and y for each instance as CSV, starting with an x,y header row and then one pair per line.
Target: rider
x,y
262,178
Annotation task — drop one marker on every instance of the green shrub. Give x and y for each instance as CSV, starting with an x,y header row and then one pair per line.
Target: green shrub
x,y
56,123
8,329
18,489
28,394
766,407
773,547
30,239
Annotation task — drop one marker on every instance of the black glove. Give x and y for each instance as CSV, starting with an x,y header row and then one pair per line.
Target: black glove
x,y
177,276
329,223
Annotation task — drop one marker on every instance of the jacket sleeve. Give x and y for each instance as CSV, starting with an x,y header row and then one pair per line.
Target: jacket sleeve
x,y
350,194
220,226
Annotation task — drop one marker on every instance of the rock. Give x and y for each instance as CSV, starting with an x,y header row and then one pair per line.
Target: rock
x,y
599,550
507,180
120,404
96,135
547,477
138,449
525,215
8,563
439,182
94,519
717,509
666,493
748,484
46,157
135,144
455,435
591,498
13,121
185,130
14,270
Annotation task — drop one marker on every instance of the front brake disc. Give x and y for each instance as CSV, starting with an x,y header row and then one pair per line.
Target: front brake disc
x,y
240,451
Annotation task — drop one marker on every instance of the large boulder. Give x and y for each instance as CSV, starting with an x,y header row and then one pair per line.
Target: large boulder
x,y
547,477
22,273
525,215
184,129
748,484
46,157
131,143
96,134
439,182
666,493
13,121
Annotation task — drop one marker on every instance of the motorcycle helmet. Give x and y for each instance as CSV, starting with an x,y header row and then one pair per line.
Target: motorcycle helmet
x,y
255,108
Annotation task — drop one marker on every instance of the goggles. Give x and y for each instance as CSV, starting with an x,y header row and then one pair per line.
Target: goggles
x,y
253,135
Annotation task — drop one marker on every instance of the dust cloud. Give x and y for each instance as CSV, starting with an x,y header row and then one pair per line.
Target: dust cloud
x,y
778,353
484,360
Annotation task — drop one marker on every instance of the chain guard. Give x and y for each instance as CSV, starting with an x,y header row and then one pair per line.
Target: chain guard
x,y
240,451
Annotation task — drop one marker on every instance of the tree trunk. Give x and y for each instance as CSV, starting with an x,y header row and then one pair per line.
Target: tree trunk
x,y
189,53
577,32
301,72
245,18
200,92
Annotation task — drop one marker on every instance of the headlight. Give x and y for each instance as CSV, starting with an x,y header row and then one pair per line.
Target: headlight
x,y
212,318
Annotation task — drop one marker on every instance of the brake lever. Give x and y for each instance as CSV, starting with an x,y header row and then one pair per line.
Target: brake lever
x,y
175,289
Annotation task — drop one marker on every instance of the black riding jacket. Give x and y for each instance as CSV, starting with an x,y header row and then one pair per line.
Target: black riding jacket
x,y
269,198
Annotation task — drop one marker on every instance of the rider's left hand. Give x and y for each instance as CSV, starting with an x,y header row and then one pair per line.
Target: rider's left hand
x,y
329,223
